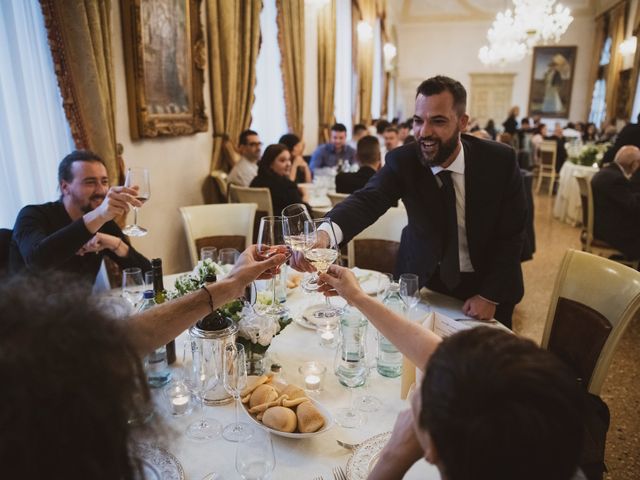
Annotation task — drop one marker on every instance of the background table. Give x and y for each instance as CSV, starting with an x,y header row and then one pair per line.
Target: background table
x,y
568,207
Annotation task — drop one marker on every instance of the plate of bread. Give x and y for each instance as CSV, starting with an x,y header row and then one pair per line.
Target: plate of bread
x,y
284,409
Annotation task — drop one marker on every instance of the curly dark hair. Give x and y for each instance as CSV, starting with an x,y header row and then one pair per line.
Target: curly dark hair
x,y
71,383
497,406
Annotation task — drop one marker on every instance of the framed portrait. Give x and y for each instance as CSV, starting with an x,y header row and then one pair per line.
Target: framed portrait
x,y
165,58
552,81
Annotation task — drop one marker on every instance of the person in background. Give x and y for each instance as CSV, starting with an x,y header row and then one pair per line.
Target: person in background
x,y
249,147
629,135
72,373
368,157
404,130
74,233
561,151
334,153
359,131
490,128
539,134
570,131
300,171
487,400
391,141
591,133
274,169
511,123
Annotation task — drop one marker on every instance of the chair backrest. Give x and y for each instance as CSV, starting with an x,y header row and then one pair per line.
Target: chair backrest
x,y
260,196
593,301
220,225
586,200
376,247
220,179
336,198
5,243
548,150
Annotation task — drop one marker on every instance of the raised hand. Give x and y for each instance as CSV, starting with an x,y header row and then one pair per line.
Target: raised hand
x,y
339,281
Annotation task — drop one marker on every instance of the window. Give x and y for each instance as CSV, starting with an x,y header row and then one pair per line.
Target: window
x,y
376,88
344,69
598,110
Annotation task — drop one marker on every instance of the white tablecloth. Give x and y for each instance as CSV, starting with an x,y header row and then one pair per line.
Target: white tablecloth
x,y
567,207
303,458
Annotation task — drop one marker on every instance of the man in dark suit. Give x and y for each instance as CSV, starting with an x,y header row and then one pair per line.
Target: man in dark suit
x,y
466,225
629,135
368,156
616,203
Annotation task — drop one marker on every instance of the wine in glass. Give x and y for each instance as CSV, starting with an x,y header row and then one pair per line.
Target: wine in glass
x,y
132,285
321,257
271,242
137,177
295,217
201,377
409,291
255,458
235,380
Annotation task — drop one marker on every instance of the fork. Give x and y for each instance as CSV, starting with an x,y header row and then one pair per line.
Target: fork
x,y
318,478
338,474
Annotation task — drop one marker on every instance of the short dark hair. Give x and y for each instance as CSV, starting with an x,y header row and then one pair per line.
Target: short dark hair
x,y
368,150
72,381
289,140
490,398
439,84
407,124
391,129
269,156
244,136
358,127
64,168
338,127
381,126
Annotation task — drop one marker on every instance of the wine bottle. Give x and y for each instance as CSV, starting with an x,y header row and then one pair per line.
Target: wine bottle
x,y
160,295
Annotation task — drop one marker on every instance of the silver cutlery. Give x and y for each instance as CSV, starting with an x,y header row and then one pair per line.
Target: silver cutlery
x,y
338,474
348,446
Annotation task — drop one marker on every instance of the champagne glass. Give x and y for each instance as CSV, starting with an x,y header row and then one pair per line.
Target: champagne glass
x,y
409,291
235,380
255,458
137,177
201,377
321,257
271,242
350,366
368,402
132,285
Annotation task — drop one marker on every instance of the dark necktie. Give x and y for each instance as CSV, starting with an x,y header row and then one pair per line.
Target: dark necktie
x,y
450,262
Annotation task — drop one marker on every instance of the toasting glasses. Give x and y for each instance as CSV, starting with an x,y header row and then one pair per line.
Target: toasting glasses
x,y
137,177
271,241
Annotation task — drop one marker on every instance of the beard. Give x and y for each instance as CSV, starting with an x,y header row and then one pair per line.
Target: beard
x,y
87,207
439,153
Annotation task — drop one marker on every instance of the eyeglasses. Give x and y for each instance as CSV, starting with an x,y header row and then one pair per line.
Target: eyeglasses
x,y
254,144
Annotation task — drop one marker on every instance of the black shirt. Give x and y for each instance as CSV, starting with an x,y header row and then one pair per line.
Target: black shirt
x,y
284,192
45,237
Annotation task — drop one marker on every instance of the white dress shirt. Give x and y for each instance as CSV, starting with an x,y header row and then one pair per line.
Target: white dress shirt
x,y
243,172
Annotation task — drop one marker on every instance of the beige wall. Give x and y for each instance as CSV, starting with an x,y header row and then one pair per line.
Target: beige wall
x,y
178,168
452,49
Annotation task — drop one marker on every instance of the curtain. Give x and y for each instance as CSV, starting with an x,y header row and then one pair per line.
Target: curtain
x,y
80,41
326,68
636,65
386,37
598,43
365,11
34,133
291,40
234,42
343,94
616,32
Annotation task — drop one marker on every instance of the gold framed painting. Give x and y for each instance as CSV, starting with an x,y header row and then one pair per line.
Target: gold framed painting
x,y
165,58
552,81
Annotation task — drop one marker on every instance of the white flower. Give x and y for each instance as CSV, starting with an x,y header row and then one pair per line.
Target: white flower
x,y
256,327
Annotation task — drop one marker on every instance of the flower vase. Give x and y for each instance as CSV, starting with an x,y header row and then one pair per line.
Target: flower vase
x,y
256,362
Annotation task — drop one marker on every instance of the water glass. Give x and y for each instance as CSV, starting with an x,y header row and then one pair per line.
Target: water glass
x,y
235,380
209,253
132,285
409,290
255,458
227,257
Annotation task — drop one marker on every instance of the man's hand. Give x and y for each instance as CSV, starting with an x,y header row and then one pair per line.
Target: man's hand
x,y
479,308
299,263
249,267
339,281
101,241
401,452
117,201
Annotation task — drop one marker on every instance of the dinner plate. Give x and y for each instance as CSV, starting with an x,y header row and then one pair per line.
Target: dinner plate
x,y
328,423
158,463
369,280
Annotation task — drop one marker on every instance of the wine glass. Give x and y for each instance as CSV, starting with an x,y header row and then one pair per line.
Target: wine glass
x,y
255,458
132,285
409,291
367,402
295,217
137,177
271,242
201,377
321,258
384,282
350,366
209,253
235,380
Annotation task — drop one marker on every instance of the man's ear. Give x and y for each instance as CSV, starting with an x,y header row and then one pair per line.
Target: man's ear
x,y
431,451
64,187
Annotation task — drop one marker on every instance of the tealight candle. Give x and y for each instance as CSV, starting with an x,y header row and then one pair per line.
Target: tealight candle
x,y
312,382
180,404
179,398
312,375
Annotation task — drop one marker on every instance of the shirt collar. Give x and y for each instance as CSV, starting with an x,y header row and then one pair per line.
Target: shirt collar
x,y
457,166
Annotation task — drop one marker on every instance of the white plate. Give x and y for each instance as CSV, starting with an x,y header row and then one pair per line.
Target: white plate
x,y
369,280
328,423
157,461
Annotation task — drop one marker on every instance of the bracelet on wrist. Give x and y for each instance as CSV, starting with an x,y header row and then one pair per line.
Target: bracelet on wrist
x,y
210,297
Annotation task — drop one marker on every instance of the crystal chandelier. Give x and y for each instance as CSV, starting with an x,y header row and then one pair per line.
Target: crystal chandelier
x,y
513,34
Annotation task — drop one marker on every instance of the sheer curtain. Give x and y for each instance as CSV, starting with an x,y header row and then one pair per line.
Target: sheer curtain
x,y
342,99
376,88
268,116
34,133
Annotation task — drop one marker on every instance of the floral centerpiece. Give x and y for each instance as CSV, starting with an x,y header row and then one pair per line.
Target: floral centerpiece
x,y
588,155
255,330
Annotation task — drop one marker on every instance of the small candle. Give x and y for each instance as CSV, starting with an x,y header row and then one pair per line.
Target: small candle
x,y
327,336
179,398
180,404
312,382
312,375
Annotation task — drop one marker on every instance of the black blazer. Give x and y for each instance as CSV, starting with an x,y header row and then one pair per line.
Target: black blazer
x,y
616,210
629,135
283,191
495,214
349,182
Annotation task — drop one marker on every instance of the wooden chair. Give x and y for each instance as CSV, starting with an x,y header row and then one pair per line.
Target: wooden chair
x,y
548,152
336,198
220,180
593,301
376,247
220,225
590,244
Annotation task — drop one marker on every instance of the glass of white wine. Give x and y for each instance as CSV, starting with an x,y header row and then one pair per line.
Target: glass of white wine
x,y
321,257
133,286
137,177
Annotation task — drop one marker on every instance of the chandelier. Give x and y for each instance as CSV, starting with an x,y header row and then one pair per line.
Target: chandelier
x,y
513,34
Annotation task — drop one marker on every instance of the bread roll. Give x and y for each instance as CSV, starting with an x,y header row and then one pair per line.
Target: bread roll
x,y
280,418
293,392
263,394
309,418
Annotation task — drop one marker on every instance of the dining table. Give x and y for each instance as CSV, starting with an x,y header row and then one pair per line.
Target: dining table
x,y
568,206
299,458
